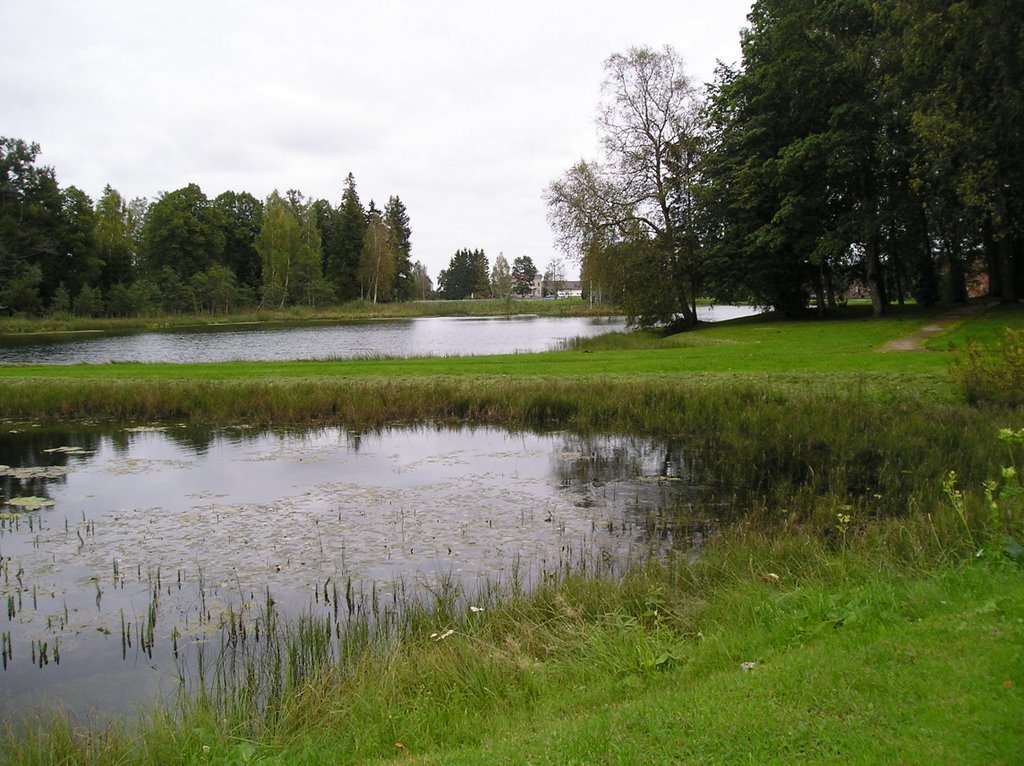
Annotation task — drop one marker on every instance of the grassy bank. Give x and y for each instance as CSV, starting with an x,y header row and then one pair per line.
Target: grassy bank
x,y
894,644
857,610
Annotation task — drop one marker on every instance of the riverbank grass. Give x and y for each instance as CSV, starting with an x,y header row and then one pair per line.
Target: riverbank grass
x,y
898,644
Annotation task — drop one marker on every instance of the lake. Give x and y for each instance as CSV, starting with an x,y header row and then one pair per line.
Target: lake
x,y
427,336
121,550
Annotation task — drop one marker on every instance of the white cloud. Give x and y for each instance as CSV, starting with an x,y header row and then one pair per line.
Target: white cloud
x,y
466,110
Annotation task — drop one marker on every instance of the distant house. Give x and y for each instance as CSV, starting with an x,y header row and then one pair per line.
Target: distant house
x,y
570,290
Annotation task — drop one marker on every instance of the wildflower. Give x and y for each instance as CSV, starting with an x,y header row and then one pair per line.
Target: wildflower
x,y
748,666
443,636
475,609
770,577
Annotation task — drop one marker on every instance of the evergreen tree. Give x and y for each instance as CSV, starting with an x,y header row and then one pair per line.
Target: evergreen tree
x,y
347,244
523,273
467,276
396,217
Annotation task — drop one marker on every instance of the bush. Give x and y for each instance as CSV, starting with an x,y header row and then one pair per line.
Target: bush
x,y
992,376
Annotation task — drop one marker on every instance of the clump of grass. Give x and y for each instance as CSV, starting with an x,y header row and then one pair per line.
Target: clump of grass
x,y
992,375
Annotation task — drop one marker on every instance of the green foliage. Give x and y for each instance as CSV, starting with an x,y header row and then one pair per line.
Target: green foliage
x,y
501,279
290,248
381,254
992,375
523,273
396,217
60,306
182,233
241,216
643,191
467,276
346,243
114,243
89,302
20,295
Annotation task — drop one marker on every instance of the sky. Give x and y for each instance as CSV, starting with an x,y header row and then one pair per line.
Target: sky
x,y
466,111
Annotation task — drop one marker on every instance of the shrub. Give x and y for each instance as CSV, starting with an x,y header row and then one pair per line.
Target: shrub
x,y
992,376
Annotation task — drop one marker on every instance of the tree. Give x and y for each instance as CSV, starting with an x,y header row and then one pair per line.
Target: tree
x,y
962,68
396,218
291,254
380,259
466,276
422,284
89,302
30,222
214,290
241,215
501,280
523,274
113,240
554,276
648,119
75,262
183,232
347,243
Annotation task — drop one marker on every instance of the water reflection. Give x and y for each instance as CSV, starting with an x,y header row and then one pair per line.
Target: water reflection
x,y
182,524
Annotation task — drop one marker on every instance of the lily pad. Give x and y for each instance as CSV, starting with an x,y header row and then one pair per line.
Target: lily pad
x,y
69,450
36,471
30,503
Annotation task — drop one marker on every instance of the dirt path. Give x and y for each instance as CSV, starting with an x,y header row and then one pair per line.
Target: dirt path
x,y
939,325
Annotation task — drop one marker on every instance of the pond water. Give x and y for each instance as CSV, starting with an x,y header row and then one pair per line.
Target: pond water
x,y
117,547
428,336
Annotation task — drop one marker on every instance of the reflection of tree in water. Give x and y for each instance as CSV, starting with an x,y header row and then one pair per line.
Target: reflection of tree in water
x,y
32,447
652,492
629,472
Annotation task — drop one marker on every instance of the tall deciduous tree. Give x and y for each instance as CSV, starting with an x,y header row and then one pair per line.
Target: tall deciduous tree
x,y
241,216
114,244
289,246
647,119
380,258
183,233
30,216
501,279
963,69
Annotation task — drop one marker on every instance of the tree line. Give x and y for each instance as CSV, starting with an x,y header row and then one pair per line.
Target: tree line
x,y
184,253
470,275
865,147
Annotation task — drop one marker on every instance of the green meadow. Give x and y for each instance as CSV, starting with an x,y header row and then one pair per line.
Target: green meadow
x,y
862,605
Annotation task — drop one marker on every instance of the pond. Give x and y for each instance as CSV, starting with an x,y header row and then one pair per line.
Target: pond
x,y
120,547
427,336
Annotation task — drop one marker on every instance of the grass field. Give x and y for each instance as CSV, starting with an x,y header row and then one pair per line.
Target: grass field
x,y
859,611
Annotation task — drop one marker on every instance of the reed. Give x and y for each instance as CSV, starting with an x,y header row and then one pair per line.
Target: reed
x,y
451,667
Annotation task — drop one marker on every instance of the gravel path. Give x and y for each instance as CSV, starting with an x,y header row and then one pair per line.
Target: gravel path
x,y
939,325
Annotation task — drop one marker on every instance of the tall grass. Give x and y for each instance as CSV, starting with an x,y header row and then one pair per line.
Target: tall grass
x,y
768,449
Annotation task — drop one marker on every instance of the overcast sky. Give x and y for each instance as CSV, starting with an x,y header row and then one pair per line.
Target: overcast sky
x,y
465,110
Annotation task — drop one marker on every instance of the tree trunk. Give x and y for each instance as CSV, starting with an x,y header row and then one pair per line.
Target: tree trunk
x,y
876,282
956,279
